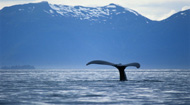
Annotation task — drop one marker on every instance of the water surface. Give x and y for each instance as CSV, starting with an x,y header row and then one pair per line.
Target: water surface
x,y
94,86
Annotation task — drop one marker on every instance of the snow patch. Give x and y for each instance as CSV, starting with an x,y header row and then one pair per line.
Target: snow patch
x,y
20,9
183,14
51,11
80,12
31,8
118,13
46,11
114,10
90,13
61,13
111,6
132,11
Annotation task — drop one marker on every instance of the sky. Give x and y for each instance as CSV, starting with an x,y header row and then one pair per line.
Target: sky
x,y
152,9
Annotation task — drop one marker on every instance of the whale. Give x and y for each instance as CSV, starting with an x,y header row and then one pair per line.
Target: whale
x,y
120,67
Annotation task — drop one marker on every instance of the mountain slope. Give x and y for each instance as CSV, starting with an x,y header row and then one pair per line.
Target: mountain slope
x,y
60,35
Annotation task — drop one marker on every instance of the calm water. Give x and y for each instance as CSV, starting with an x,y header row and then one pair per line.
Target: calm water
x,y
66,86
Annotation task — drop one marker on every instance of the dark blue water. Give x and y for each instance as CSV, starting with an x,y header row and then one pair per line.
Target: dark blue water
x,y
66,86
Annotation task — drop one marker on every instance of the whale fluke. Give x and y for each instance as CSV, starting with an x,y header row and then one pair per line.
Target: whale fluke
x,y
100,62
120,67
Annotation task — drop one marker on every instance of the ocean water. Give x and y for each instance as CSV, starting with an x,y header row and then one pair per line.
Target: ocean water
x,y
94,86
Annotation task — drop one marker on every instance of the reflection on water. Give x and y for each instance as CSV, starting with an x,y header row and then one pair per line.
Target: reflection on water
x,y
56,86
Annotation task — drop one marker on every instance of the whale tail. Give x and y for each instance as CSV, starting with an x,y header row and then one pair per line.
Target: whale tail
x,y
120,67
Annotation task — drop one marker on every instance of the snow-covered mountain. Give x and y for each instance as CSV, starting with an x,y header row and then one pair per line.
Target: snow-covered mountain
x,y
88,13
50,34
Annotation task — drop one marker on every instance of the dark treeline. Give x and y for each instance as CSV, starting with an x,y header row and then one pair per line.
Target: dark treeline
x,y
18,67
